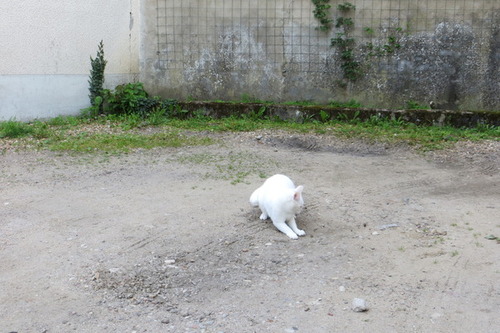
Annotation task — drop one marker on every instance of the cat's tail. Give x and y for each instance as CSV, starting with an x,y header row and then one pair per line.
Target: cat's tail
x,y
254,198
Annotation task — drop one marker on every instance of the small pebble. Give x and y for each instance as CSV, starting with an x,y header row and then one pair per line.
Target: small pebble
x,y
436,315
359,305
387,226
291,330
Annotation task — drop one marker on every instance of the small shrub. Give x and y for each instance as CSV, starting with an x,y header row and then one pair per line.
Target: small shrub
x,y
96,80
125,99
131,104
324,116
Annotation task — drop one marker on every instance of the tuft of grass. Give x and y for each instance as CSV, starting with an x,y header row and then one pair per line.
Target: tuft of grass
x,y
14,129
349,104
413,105
64,121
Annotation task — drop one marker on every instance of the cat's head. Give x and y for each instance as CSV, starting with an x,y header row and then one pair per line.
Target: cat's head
x,y
297,196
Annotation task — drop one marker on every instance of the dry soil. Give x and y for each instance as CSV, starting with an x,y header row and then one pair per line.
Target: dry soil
x,y
165,240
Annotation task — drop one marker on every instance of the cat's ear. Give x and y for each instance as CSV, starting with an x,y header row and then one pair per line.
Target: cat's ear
x,y
298,192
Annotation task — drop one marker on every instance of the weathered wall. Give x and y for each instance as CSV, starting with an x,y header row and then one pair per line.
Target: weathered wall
x,y
446,51
45,50
225,49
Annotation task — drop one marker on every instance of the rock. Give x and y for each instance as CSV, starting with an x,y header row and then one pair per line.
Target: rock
x,y
359,305
436,315
387,226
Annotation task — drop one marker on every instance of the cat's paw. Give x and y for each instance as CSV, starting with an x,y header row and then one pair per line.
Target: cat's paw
x,y
263,216
292,235
300,232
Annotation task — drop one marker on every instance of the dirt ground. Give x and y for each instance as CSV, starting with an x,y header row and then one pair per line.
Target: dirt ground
x,y
165,240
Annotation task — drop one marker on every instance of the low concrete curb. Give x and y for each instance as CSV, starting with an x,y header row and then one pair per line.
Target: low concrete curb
x,y
299,113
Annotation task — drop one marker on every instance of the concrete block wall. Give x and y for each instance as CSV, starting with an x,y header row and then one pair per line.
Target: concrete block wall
x,y
448,52
228,49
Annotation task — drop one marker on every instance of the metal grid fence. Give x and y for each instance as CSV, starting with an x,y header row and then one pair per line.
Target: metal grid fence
x,y
273,32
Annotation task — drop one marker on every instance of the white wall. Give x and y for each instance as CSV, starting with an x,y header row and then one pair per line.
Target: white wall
x,y
46,47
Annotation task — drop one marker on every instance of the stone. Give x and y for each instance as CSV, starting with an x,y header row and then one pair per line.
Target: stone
x,y
359,305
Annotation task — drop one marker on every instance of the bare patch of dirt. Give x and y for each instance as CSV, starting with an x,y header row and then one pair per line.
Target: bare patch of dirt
x,y
165,240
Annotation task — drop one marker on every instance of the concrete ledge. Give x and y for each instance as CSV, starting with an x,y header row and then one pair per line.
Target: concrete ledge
x,y
299,113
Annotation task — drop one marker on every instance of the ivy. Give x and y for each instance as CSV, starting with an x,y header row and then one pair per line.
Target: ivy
x,y
345,44
388,48
344,21
346,6
321,13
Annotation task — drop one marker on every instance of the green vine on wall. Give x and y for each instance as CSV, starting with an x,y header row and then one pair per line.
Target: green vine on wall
x,y
345,43
321,13
346,6
388,48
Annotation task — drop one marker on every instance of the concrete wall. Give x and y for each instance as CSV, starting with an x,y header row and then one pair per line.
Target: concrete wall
x,y
449,52
226,49
45,51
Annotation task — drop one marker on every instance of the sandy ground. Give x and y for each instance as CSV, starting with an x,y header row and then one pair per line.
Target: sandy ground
x,y
165,240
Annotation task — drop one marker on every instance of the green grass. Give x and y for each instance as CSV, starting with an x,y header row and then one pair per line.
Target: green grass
x,y
14,129
84,142
107,134
390,131
124,133
235,167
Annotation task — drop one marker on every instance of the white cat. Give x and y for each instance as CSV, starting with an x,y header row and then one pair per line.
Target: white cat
x,y
279,199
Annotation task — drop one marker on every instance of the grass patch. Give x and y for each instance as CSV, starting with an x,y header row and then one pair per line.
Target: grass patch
x,y
116,143
105,134
13,129
121,133
234,167
426,138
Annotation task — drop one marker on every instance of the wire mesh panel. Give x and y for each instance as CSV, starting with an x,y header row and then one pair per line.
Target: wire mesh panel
x,y
187,30
275,47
